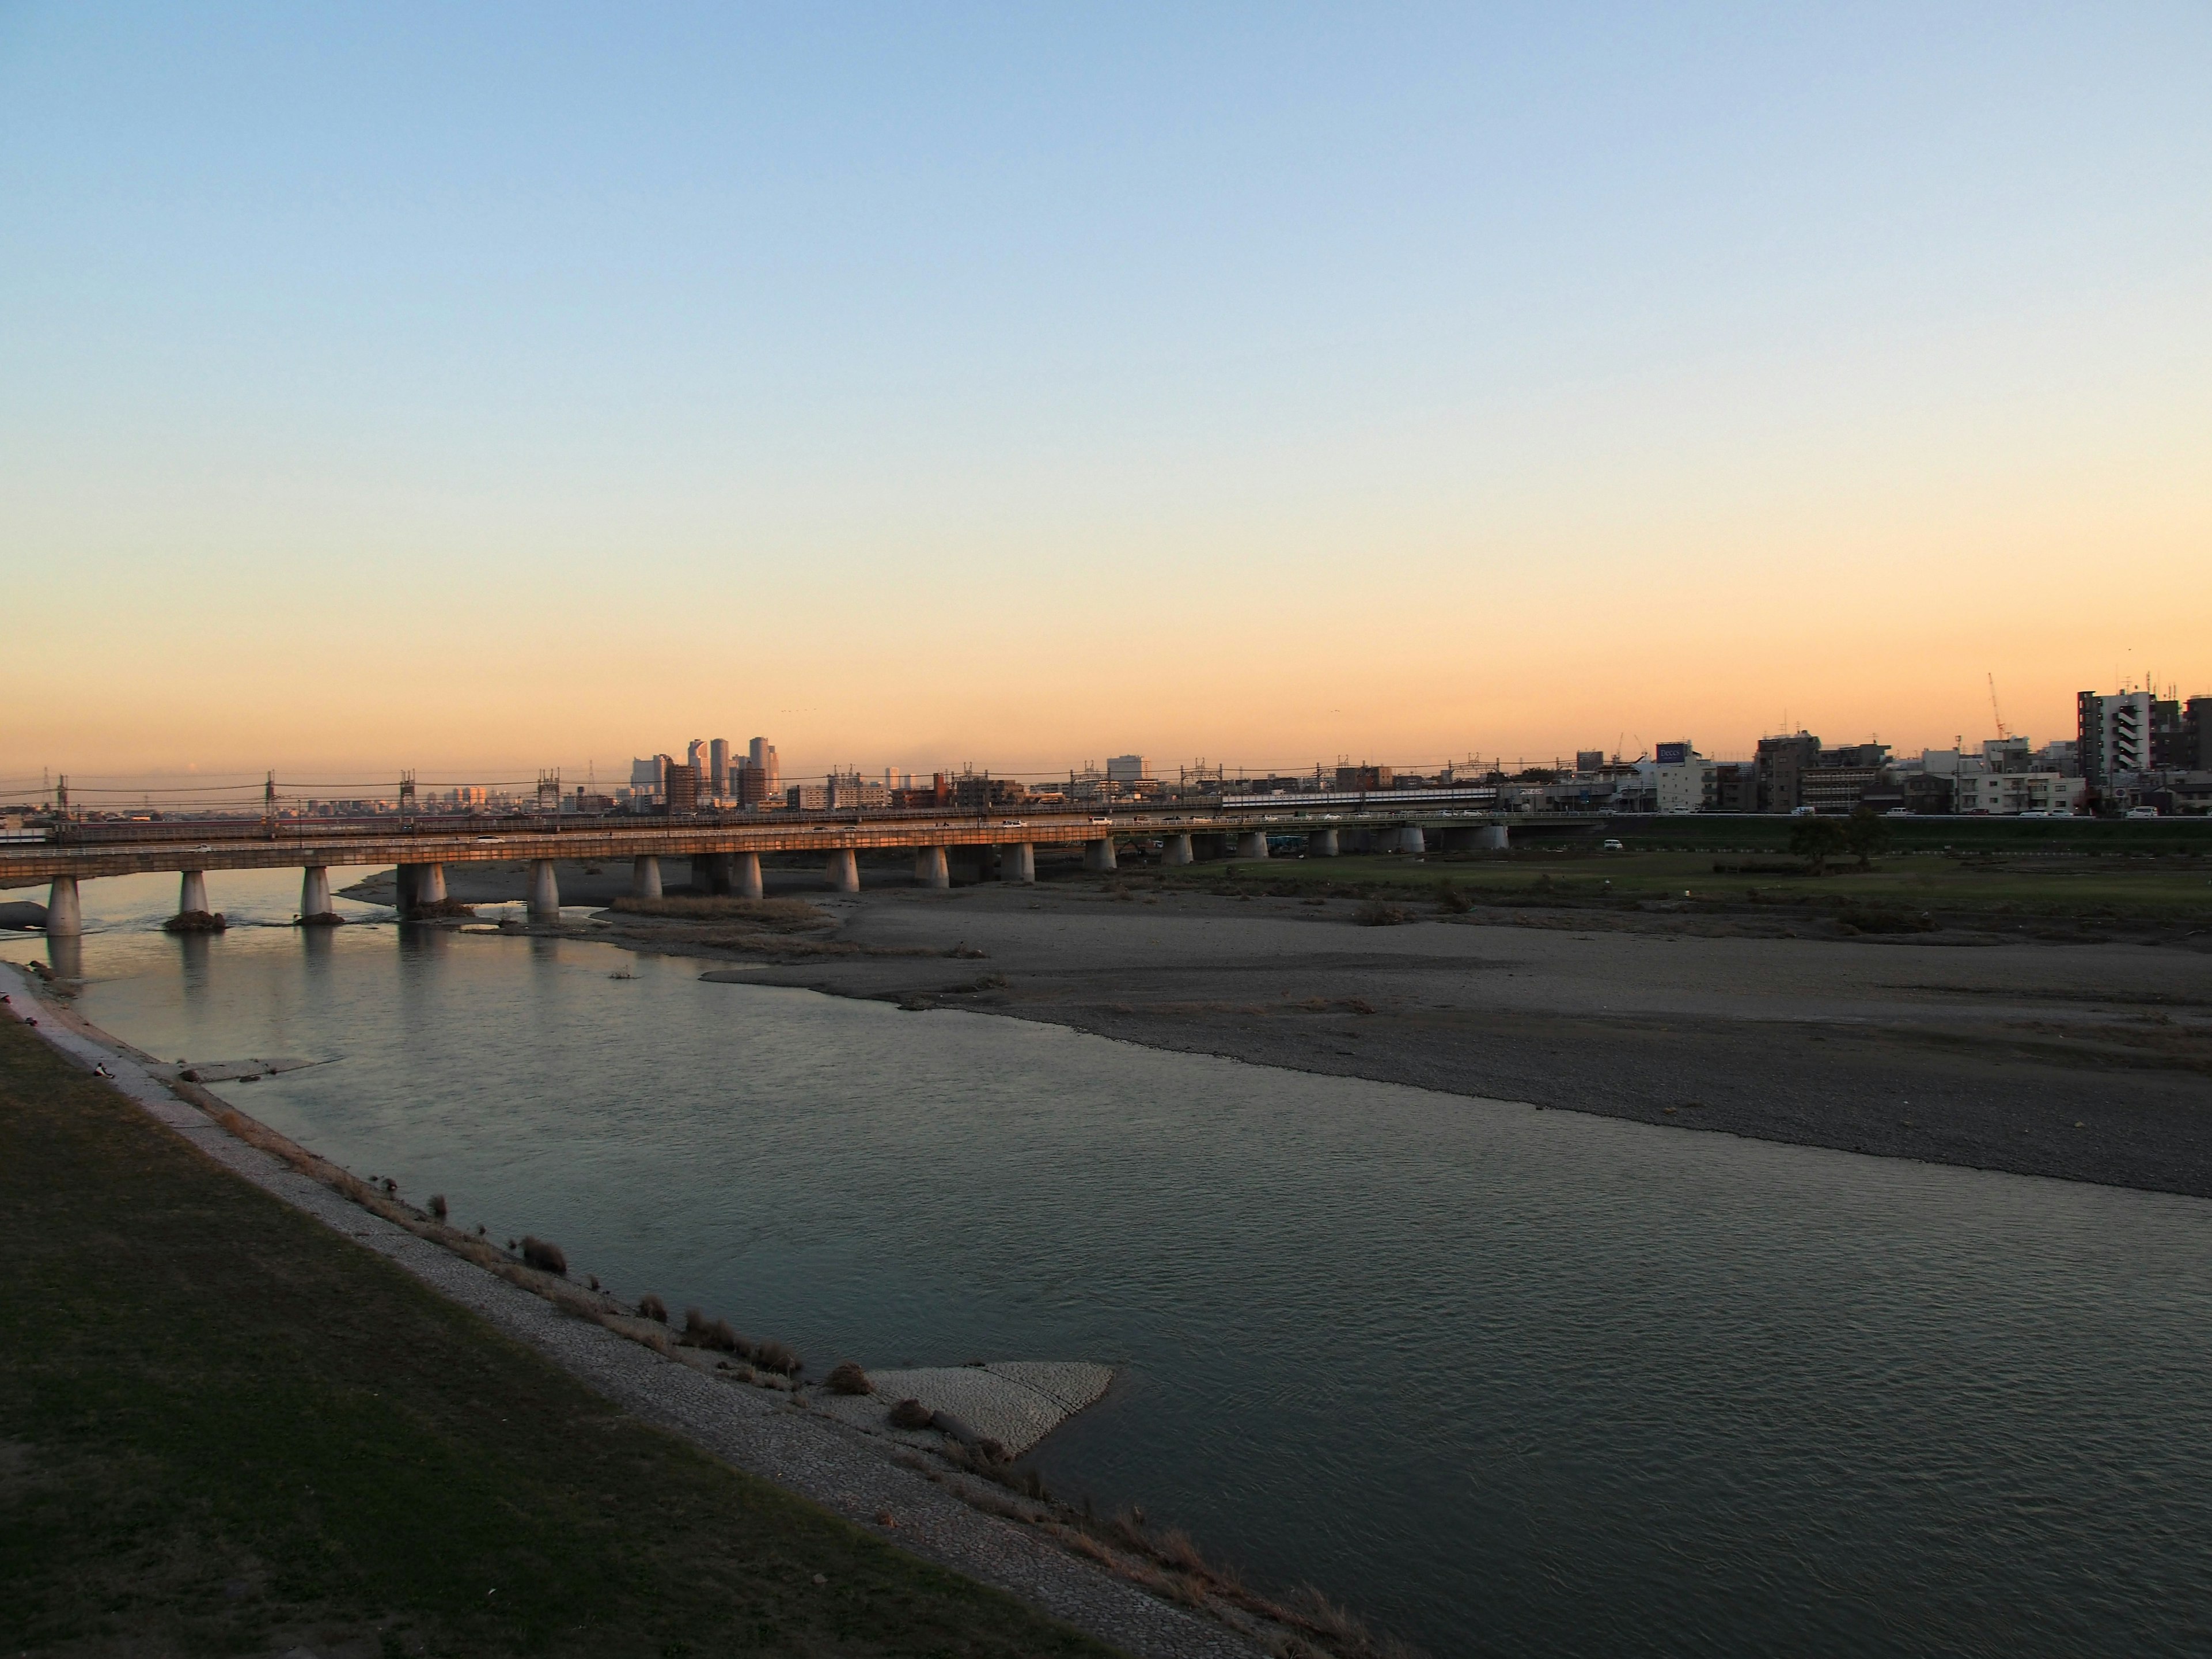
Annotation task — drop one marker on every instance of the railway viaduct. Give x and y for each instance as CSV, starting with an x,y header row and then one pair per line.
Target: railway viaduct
x,y
727,848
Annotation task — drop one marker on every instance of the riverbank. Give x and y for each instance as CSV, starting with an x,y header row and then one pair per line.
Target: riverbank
x,y
227,1426
2084,1061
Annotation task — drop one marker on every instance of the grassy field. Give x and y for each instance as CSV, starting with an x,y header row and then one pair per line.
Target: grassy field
x,y
226,1430
2171,889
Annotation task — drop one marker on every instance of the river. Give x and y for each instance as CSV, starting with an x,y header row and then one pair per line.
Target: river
x,y
1507,1381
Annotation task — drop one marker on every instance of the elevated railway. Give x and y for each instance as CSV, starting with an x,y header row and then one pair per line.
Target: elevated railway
x,y
729,846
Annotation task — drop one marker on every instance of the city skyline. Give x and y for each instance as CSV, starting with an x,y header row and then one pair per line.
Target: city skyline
x,y
451,392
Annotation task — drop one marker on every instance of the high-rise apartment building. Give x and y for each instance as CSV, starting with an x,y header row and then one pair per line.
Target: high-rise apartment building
x,y
718,767
1782,762
2169,743
762,757
683,784
1127,769
2113,734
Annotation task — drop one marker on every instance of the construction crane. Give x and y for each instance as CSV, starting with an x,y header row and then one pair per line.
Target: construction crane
x,y
1996,712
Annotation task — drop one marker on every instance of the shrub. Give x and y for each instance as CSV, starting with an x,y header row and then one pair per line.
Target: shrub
x,y
911,1414
849,1378
650,1306
438,1206
694,1324
1450,900
1816,839
545,1255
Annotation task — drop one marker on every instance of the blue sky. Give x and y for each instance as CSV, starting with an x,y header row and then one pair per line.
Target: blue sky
x,y
1445,380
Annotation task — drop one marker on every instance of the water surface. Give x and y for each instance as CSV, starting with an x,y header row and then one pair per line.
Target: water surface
x,y
1509,1380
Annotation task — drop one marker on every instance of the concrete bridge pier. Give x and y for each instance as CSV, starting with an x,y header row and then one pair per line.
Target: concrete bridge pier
x,y
1410,840
1252,844
64,917
405,882
1491,838
191,892
930,869
711,871
1098,855
744,874
544,891
315,894
844,871
1176,850
645,877
1321,844
1018,863
431,885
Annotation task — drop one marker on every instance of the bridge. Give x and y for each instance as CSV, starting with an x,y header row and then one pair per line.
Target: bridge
x,y
727,847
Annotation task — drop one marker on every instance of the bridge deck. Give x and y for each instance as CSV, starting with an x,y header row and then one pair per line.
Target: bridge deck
x,y
112,850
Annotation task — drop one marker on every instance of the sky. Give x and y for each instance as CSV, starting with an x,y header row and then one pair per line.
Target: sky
x,y
482,388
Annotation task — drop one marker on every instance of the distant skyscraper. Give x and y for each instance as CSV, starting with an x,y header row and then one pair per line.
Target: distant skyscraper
x,y
762,757
1127,769
717,766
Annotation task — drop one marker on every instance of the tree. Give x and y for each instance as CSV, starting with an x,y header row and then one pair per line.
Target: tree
x,y
1816,841
1865,833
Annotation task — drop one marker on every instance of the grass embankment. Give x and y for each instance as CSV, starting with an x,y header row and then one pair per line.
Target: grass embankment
x,y
2172,888
225,1429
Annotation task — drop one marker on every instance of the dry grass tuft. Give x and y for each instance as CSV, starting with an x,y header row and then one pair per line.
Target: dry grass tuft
x,y
545,1255
910,1414
651,1307
438,1206
774,1356
847,1377
1376,914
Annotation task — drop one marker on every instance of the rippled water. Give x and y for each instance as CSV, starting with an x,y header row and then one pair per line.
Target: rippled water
x,y
1508,1381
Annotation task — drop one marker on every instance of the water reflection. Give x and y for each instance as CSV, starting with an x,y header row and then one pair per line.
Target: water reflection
x,y
66,957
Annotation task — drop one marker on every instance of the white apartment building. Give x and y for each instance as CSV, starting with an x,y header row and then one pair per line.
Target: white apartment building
x,y
1679,778
2008,794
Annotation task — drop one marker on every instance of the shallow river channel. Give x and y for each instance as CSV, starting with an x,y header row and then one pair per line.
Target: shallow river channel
x,y
1504,1380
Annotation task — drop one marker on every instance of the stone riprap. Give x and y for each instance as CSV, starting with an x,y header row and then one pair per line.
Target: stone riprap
x,y
1016,1402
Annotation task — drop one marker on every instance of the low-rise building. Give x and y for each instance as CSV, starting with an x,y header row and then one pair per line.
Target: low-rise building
x,y
2007,794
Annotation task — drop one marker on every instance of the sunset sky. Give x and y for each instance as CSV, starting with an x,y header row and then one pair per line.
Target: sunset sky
x,y
481,388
